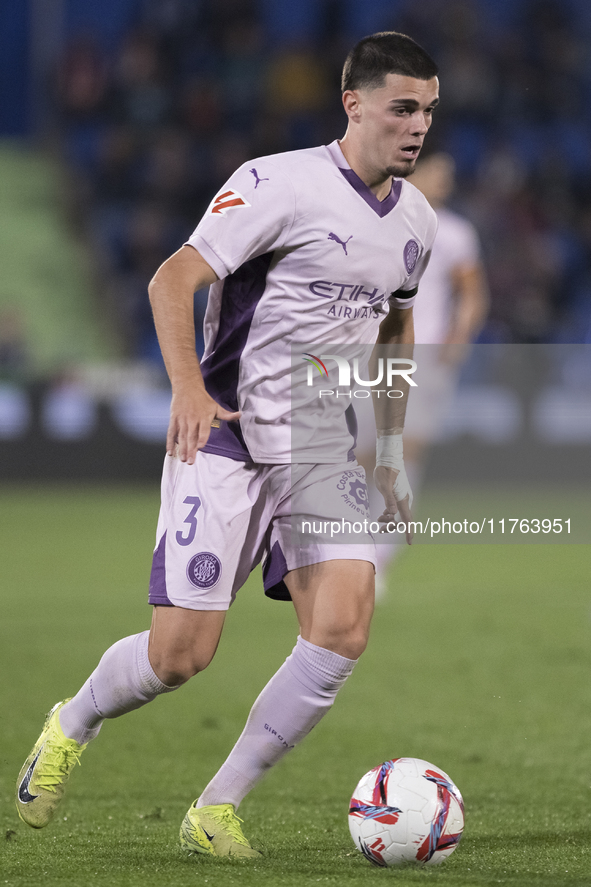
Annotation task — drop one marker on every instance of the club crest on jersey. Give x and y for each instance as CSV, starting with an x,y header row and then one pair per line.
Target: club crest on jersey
x,y
411,254
227,200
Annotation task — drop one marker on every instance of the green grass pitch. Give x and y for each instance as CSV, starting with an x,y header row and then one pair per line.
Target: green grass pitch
x,y
479,661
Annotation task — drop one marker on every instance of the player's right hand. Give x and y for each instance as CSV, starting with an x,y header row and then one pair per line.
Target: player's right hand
x,y
192,412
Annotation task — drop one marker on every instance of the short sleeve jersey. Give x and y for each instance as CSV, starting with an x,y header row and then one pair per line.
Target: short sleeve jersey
x,y
456,245
305,252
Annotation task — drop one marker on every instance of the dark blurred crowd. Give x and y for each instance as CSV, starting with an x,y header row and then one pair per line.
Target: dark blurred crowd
x,y
197,87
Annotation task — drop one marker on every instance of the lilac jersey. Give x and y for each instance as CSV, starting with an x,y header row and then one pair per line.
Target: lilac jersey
x,y
305,253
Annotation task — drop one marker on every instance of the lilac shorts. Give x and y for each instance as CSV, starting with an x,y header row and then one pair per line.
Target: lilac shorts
x,y
219,518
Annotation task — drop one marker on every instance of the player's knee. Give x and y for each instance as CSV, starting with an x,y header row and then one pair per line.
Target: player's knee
x,y
174,669
354,645
348,640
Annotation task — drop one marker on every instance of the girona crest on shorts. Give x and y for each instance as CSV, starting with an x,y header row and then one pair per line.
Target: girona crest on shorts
x,y
227,200
204,570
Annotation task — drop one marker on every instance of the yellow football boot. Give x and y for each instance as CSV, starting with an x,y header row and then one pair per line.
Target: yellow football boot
x,y
42,780
215,830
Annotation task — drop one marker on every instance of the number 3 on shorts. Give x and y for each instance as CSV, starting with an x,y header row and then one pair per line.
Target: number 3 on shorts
x,y
191,520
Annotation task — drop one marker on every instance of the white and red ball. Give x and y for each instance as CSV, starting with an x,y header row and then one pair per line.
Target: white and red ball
x,y
406,811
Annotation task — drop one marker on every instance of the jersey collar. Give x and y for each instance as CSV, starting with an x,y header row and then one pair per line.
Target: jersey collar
x,y
381,207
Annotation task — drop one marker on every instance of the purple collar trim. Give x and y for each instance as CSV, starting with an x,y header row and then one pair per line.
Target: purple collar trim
x,y
381,207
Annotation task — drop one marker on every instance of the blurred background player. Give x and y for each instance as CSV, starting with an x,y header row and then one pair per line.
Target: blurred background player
x,y
451,311
448,315
454,291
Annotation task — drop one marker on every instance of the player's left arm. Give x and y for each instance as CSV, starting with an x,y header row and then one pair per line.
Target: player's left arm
x,y
395,339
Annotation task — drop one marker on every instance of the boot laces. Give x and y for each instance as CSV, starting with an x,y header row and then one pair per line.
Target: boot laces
x,y
56,765
231,823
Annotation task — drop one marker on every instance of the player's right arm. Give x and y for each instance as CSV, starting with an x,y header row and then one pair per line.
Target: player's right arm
x,y
171,295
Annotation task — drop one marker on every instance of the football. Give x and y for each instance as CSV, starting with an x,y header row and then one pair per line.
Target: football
x,y
406,811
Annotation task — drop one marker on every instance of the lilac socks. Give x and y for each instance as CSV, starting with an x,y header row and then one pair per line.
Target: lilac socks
x,y
292,703
296,698
122,681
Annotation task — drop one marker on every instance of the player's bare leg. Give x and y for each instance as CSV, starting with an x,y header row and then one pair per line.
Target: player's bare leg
x,y
334,602
183,642
131,673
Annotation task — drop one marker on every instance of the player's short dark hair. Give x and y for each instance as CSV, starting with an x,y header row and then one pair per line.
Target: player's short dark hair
x,y
387,52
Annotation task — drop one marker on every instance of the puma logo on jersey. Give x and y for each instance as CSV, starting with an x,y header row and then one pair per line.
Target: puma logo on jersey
x,y
337,239
257,178
227,200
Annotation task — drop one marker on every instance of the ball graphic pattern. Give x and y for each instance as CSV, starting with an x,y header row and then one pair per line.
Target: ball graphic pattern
x,y
406,811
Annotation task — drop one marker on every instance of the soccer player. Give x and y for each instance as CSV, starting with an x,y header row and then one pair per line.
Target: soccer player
x,y
321,245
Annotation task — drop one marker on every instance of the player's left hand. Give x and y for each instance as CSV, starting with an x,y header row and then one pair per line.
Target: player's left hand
x,y
394,486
